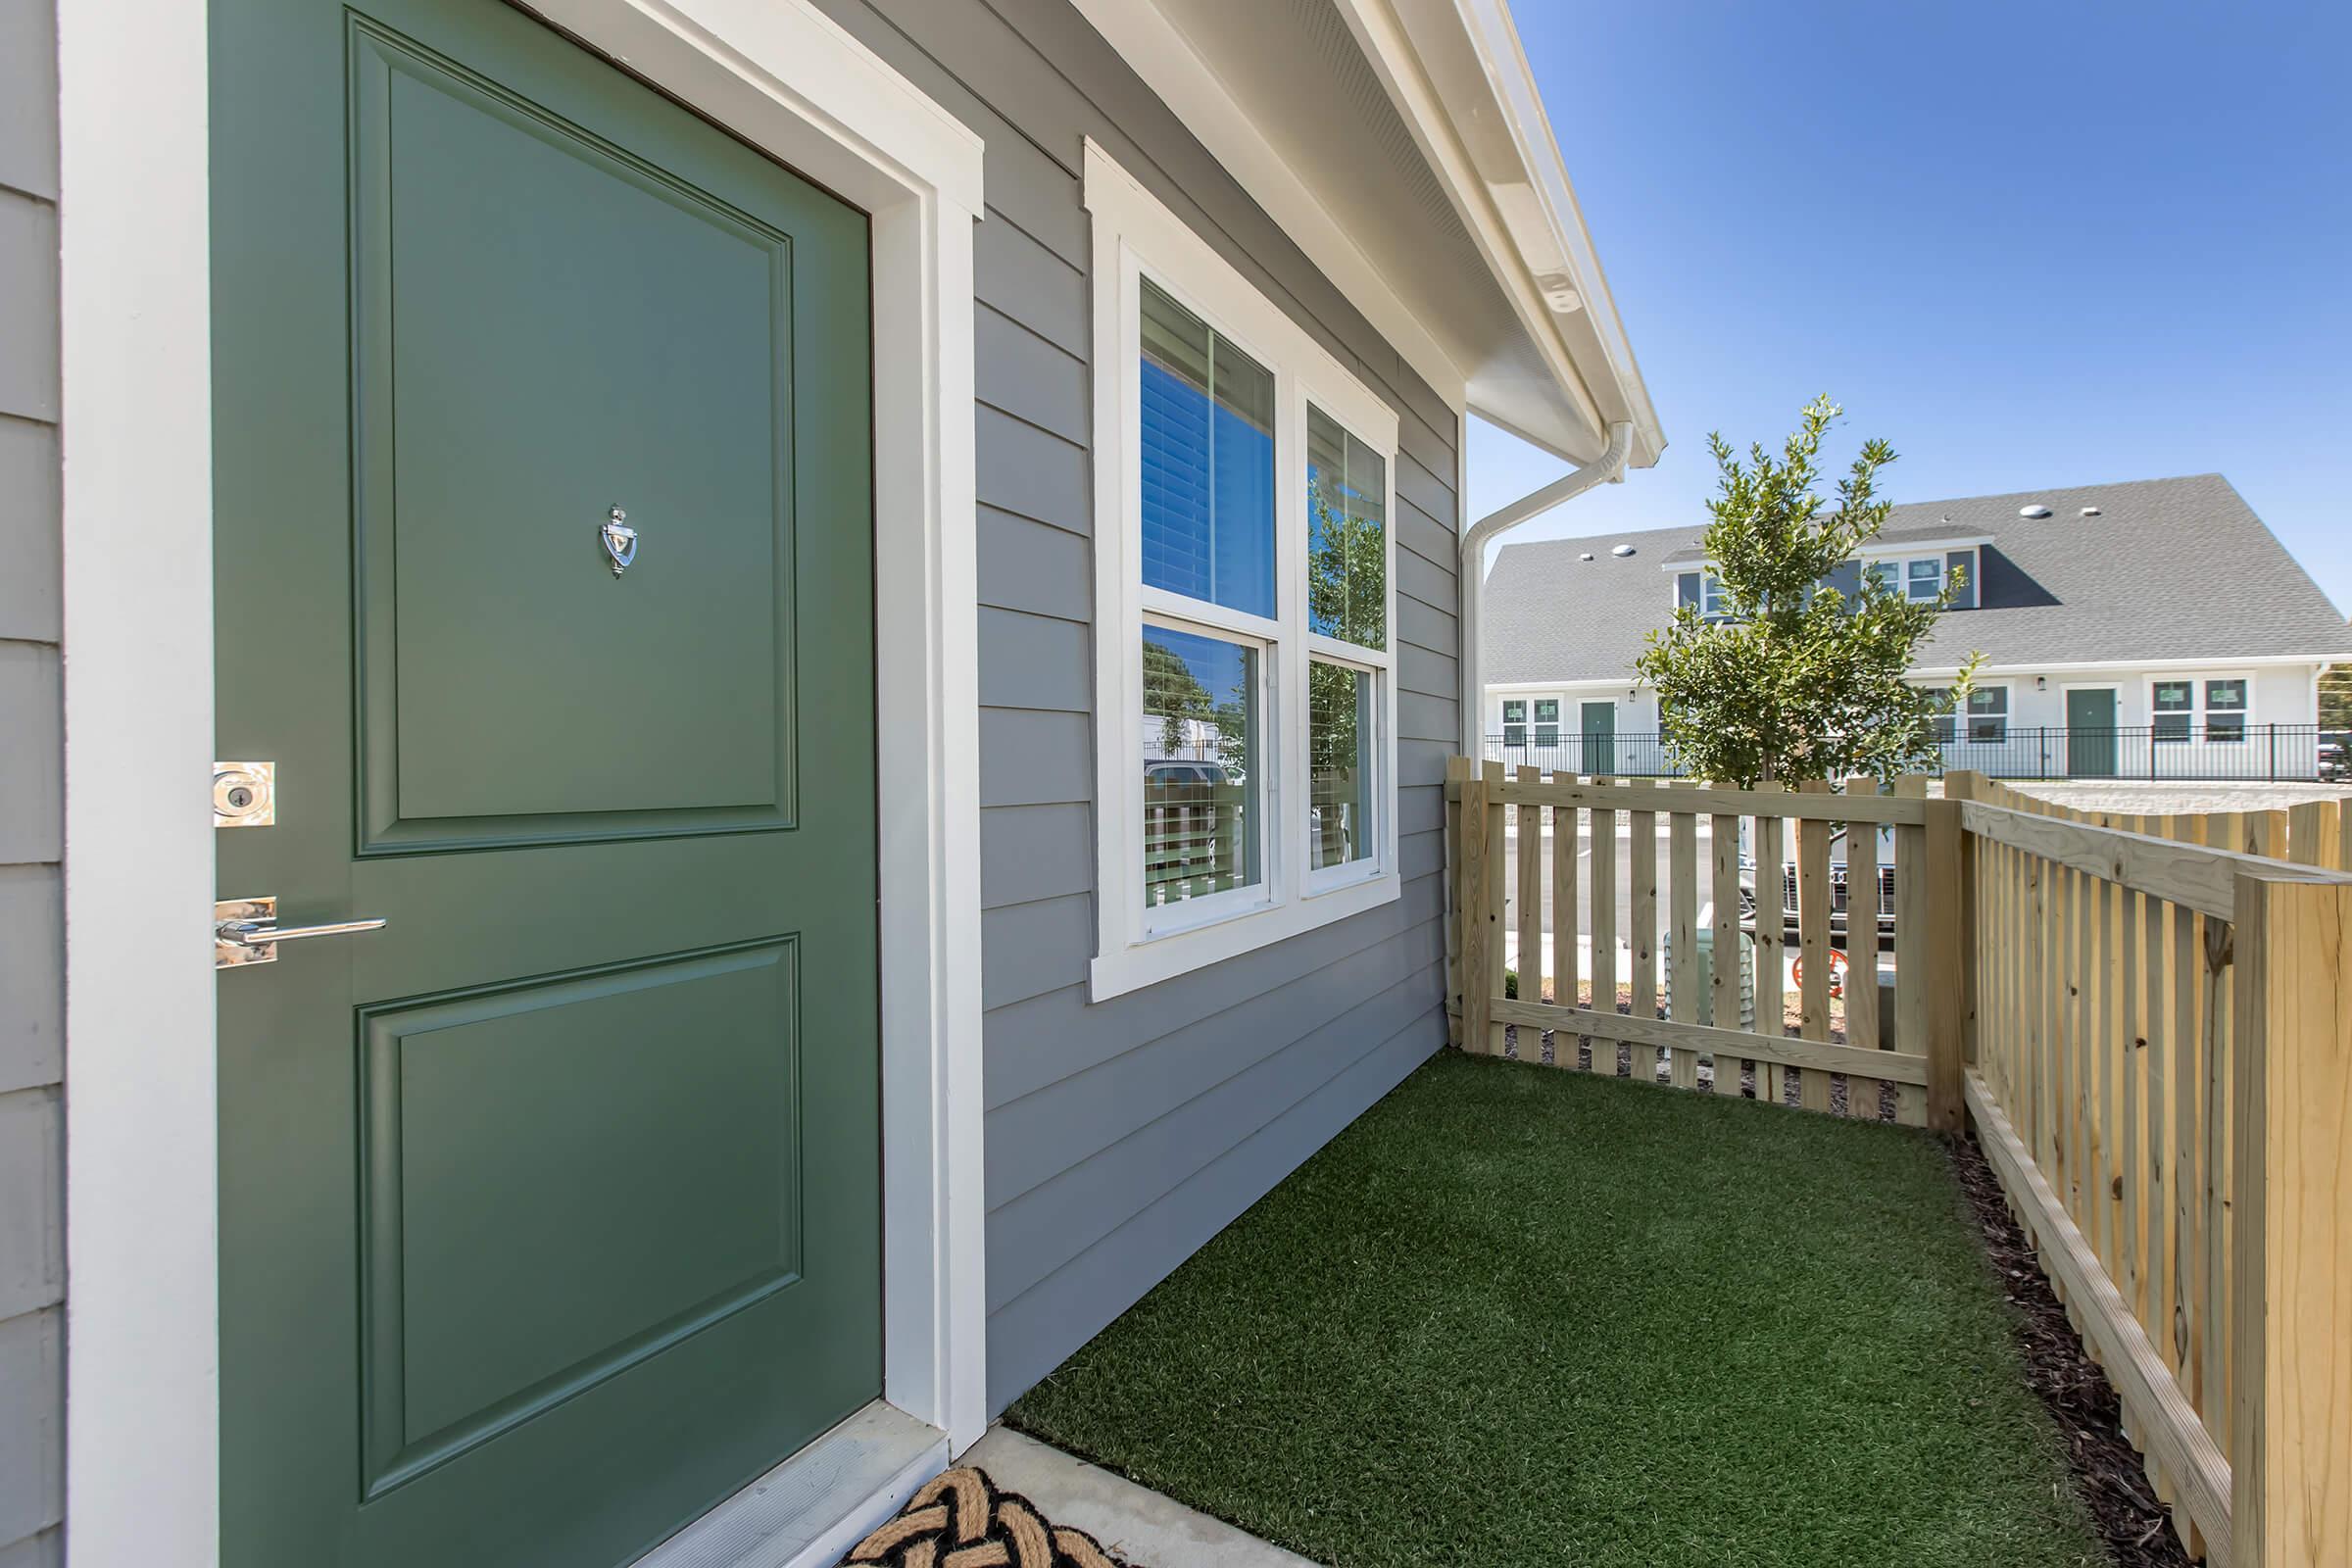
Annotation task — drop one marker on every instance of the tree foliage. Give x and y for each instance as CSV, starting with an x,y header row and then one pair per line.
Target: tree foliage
x,y
1796,678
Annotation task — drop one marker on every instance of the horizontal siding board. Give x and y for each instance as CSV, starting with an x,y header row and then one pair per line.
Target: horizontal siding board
x,y
1031,1335
44,1550
1040,1136
1421,717
31,1423
1018,372
1420,808
33,1264
29,580
1034,566
1432,585
29,322
1424,489
1034,662
1028,1046
1429,673
1029,758
1035,948
29,97
32,761
1426,537
1017,275
1029,852
1032,472
32,957
1044,1228
1424,624
1433,451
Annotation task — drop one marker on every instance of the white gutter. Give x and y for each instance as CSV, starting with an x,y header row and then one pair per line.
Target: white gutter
x,y
1608,468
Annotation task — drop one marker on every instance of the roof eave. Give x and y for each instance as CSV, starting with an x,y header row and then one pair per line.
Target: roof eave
x,y
1456,73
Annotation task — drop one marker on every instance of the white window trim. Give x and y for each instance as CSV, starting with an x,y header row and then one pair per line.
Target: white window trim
x,y
1135,234
2200,710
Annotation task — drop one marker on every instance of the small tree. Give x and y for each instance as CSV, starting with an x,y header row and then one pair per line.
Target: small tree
x,y
1796,678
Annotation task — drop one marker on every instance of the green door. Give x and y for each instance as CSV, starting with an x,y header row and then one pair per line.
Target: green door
x,y
1599,721
2090,732
551,1211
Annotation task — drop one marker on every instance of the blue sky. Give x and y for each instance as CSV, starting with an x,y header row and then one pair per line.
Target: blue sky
x,y
2032,245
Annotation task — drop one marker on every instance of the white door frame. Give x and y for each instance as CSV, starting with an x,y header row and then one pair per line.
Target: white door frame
x,y
142,1462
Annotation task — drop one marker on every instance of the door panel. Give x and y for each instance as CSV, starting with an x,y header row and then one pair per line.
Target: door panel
x,y
549,1213
2090,733
1600,723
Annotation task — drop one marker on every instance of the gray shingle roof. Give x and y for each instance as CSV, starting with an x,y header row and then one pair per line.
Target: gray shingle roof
x,y
2171,569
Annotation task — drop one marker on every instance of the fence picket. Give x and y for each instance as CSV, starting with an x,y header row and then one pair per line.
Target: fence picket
x,y
1813,942
1643,936
1530,913
1604,927
1565,967
1862,949
1723,836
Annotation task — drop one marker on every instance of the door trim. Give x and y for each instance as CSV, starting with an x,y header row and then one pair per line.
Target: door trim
x,y
141,1376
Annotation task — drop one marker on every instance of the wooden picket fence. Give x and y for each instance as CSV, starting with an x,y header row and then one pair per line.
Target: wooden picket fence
x,y
2148,1021
1520,832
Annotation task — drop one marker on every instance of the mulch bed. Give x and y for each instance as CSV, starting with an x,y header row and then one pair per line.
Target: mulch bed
x,y
2108,1471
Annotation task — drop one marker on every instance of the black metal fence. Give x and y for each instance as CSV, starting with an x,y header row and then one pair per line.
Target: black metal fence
x,y
2191,752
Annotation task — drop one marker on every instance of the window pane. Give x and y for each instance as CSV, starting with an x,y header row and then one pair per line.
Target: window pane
x,y
1199,766
2173,697
2172,726
1338,743
1209,463
1927,578
1883,573
1988,699
2226,694
1346,535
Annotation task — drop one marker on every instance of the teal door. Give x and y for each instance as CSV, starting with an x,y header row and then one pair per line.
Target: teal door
x,y
551,1211
1599,720
2090,732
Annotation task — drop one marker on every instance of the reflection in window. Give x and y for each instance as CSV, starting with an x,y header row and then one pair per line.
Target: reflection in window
x,y
2225,709
1988,714
1346,535
1208,462
1199,766
2175,703
1339,740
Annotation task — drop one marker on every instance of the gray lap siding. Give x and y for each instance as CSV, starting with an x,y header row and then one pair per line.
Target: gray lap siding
x,y
32,1274
1124,1134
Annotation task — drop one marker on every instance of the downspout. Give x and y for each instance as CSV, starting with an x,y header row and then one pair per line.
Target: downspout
x,y
1608,468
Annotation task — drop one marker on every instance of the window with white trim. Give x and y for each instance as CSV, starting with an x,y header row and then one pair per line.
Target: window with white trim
x,y
2212,709
1985,716
1514,722
1245,753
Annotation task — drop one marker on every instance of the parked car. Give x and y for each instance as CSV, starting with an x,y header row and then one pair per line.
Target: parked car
x,y
1841,896
2336,756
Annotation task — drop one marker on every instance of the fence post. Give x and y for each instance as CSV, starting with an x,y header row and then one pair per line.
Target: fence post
x,y
1458,771
2291,1262
1965,786
1938,895
1479,929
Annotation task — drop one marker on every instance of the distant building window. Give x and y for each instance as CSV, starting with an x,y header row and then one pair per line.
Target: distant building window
x,y
1547,721
1514,722
1713,602
1988,716
2226,710
2183,711
1924,576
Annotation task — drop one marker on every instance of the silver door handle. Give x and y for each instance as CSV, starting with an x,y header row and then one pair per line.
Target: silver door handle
x,y
245,931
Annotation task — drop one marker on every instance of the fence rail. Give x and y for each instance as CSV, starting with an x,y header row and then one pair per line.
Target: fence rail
x,y
2147,1019
2184,753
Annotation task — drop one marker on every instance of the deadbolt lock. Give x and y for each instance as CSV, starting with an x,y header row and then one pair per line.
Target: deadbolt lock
x,y
244,794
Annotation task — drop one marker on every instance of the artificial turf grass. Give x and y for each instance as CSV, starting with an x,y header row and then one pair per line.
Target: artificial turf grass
x,y
1518,1316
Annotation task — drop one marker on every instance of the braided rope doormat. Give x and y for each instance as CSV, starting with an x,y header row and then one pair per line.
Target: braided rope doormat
x,y
960,1520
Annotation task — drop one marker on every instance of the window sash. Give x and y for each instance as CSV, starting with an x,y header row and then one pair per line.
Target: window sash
x,y
1137,239
1370,799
